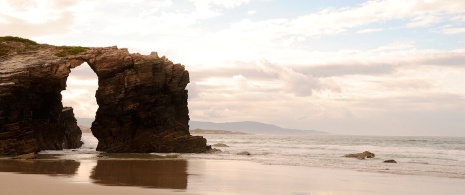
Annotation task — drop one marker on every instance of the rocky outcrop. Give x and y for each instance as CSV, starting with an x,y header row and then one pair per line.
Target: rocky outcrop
x,y
142,100
361,156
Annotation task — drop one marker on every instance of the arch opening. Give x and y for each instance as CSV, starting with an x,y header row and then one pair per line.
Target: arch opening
x,y
81,86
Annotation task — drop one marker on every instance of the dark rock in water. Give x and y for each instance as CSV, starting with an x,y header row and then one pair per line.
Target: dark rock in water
x,y
390,161
220,145
142,100
243,153
72,133
361,156
26,156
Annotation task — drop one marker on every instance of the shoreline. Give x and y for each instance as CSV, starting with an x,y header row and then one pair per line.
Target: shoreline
x,y
201,176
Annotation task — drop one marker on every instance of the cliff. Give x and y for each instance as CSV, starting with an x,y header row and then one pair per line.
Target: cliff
x,y
142,100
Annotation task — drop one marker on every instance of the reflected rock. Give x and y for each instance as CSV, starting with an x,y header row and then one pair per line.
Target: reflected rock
x,y
46,167
167,174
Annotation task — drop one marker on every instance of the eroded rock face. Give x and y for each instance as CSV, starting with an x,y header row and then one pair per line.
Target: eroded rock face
x,y
142,101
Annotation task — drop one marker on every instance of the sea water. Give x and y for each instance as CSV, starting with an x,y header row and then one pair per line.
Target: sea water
x,y
432,156
429,156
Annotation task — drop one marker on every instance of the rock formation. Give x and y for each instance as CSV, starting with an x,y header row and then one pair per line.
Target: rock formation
x,y
361,156
142,100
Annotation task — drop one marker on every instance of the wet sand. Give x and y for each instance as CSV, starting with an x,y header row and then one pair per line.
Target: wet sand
x,y
195,176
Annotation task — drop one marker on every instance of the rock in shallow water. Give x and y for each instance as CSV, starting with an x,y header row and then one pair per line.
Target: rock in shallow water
x,y
220,145
244,153
361,156
142,100
26,156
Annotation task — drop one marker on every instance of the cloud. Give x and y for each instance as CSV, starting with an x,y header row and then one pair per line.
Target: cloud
x,y
334,21
424,20
241,82
293,82
407,85
29,18
35,12
251,12
452,59
331,70
370,30
193,90
298,83
83,72
459,18
450,31
19,27
223,3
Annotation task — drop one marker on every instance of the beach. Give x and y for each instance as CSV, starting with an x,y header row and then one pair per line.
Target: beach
x,y
200,176
297,165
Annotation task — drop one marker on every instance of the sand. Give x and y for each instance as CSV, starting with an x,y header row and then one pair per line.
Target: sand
x,y
198,176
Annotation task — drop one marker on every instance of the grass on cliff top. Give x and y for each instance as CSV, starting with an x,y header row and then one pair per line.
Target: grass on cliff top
x,y
17,39
70,50
5,49
63,51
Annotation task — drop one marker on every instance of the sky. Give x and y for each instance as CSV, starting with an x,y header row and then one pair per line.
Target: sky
x,y
384,67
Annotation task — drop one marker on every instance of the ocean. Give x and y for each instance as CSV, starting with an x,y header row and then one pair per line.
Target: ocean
x,y
428,156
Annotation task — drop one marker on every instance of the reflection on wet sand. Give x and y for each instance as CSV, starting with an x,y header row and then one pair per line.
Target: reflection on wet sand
x,y
150,173
47,167
170,174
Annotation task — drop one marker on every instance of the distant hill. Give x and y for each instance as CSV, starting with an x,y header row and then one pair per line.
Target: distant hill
x,y
245,127
203,131
251,127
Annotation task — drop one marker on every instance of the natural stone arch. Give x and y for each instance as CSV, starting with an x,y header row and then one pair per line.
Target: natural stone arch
x,y
142,101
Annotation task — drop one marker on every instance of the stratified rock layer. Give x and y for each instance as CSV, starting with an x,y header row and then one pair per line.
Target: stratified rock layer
x,y
142,101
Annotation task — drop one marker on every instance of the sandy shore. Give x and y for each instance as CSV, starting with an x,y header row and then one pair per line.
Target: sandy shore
x,y
205,177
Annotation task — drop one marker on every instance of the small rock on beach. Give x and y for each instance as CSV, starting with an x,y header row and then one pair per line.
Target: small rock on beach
x,y
390,161
244,153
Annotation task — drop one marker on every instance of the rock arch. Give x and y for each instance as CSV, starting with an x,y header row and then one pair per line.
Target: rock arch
x,y
142,101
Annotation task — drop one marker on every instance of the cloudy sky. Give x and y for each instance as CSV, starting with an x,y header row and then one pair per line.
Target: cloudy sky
x,y
384,67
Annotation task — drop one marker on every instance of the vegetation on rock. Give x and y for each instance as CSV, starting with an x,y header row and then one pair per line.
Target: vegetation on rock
x,y
17,39
5,48
70,50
